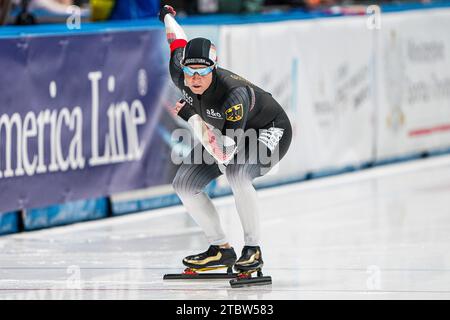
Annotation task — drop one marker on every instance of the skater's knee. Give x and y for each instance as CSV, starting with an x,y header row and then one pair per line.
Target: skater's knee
x,y
237,174
179,186
184,186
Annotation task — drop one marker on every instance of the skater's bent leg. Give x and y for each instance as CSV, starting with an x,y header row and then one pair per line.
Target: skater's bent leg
x,y
241,174
189,183
246,199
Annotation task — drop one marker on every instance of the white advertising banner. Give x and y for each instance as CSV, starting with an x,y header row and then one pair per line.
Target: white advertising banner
x,y
413,83
320,72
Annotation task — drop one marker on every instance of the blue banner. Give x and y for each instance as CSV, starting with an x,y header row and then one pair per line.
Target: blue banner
x,y
80,116
9,222
70,212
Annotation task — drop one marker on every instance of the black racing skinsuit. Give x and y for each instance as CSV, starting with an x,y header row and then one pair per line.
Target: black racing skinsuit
x,y
232,102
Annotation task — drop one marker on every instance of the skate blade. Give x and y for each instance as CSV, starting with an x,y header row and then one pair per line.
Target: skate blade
x,y
254,281
191,273
199,276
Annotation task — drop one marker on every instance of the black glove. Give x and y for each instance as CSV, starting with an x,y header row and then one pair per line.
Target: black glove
x,y
166,10
186,111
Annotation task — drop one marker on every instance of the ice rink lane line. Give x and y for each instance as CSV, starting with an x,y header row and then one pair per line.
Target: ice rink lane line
x,y
351,177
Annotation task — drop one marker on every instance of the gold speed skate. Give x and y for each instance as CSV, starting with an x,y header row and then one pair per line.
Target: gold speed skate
x,y
249,263
199,265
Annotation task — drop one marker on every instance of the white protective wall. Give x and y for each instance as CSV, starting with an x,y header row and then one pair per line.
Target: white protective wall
x,y
354,94
319,70
413,83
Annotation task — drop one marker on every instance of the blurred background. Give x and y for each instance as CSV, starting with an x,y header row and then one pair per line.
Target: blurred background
x,y
53,11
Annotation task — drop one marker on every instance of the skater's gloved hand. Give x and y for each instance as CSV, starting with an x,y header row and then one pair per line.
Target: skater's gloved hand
x,y
178,106
166,10
183,111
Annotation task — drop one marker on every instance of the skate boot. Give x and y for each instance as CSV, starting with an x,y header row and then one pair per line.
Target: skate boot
x,y
212,259
250,262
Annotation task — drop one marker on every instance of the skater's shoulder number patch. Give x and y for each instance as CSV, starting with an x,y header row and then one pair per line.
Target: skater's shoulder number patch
x,y
234,113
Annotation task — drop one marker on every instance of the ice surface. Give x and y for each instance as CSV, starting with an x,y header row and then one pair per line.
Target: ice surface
x,y
382,233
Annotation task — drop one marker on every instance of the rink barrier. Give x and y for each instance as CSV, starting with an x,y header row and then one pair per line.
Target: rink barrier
x,y
154,202
133,206
9,222
83,210
63,214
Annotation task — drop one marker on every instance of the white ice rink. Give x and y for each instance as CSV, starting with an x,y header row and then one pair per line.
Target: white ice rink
x,y
382,233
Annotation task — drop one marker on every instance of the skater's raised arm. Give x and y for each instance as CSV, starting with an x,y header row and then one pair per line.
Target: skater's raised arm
x,y
175,34
177,41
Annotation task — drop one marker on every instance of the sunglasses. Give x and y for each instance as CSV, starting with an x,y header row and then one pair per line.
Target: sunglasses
x,y
201,71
